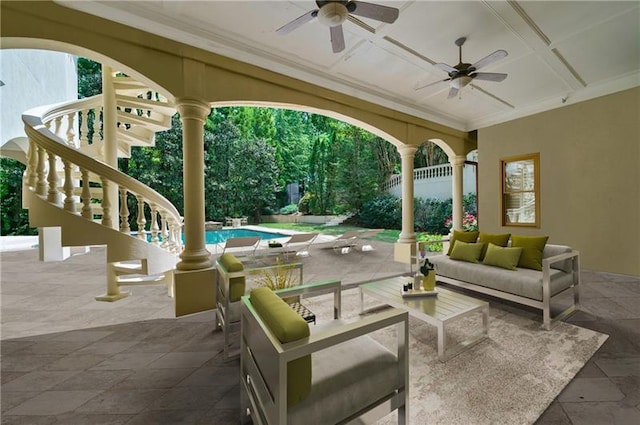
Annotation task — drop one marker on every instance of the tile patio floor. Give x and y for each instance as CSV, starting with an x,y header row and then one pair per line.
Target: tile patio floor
x,y
67,359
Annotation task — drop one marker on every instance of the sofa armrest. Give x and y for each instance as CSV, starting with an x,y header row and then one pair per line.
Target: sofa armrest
x,y
546,271
315,289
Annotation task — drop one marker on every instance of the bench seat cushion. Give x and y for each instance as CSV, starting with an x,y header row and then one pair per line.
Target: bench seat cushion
x,y
355,373
523,282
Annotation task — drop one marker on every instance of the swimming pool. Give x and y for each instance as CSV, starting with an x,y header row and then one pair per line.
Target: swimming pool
x,y
219,236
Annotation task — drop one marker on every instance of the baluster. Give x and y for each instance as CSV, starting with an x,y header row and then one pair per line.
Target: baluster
x,y
53,194
58,131
70,129
155,229
177,239
164,232
69,200
142,234
124,211
86,195
106,203
41,187
32,177
84,128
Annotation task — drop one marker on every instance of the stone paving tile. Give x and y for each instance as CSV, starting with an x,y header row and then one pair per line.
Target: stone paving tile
x,y
601,414
93,379
155,378
181,360
51,403
127,361
168,417
591,389
38,381
74,418
121,401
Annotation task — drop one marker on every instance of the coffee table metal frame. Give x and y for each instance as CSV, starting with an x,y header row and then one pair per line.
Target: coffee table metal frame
x,y
439,311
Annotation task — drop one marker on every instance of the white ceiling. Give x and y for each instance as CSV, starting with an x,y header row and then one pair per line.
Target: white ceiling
x,y
560,52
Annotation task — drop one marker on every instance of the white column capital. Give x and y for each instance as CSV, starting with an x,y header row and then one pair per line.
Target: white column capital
x,y
193,109
407,150
457,160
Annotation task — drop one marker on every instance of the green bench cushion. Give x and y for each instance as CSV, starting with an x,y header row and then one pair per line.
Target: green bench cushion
x,y
236,284
287,326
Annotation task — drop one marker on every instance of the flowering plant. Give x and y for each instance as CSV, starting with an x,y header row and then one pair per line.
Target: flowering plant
x,y
426,267
469,222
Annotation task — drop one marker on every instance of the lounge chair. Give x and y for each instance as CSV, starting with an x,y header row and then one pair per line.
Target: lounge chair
x,y
367,234
242,246
343,243
298,244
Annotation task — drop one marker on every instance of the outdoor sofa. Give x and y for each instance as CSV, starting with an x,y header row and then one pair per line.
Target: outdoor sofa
x,y
550,272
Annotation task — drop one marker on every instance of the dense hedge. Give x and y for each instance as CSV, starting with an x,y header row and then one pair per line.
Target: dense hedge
x,y
429,214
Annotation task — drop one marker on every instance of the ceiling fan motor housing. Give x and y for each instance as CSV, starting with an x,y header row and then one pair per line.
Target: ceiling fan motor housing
x,y
333,14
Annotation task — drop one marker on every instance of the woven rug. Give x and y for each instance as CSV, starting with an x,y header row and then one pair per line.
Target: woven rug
x,y
509,378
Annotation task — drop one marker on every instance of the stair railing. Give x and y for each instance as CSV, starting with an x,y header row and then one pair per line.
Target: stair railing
x,y
48,153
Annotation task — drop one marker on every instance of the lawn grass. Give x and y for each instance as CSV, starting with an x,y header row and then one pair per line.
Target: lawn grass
x,y
387,235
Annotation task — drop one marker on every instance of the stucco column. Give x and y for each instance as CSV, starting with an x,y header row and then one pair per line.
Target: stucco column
x,y
408,234
457,164
110,139
193,114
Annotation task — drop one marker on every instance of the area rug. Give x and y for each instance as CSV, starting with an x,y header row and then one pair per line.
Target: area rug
x,y
509,378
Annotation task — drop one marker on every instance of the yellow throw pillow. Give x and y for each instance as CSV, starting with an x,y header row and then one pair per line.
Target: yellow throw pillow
x,y
532,248
506,258
497,239
464,251
469,237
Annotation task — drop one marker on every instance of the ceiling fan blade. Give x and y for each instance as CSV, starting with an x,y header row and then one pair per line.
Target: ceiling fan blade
x,y
446,68
498,54
424,86
337,38
452,93
375,11
489,76
286,29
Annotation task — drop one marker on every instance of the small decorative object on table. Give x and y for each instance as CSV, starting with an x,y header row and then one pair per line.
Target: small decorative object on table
x,y
275,244
428,275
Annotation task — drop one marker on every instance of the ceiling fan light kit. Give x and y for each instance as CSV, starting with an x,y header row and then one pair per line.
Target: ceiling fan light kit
x,y
463,73
333,14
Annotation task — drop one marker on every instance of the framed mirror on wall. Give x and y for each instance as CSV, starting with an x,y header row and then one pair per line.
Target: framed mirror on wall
x,y
521,190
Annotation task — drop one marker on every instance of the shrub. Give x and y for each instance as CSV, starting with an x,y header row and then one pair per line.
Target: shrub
x,y
289,209
382,212
303,203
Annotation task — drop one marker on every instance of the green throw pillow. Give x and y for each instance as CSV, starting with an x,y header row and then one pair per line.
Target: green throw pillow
x,y
532,247
497,239
506,258
236,284
468,237
287,326
466,251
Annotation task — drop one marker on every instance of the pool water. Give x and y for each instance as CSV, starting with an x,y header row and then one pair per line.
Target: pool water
x,y
219,236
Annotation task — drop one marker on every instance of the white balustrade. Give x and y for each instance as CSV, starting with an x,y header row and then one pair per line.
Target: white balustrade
x,y
142,233
124,211
86,195
106,203
155,229
69,200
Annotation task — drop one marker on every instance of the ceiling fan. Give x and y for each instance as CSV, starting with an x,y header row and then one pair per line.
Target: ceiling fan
x,y
334,13
463,73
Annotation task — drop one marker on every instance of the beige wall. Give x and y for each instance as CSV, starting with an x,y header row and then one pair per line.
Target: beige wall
x,y
590,178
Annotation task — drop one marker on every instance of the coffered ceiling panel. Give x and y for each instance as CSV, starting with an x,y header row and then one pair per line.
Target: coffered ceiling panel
x,y
559,52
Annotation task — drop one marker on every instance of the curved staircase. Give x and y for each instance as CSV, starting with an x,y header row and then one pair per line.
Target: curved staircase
x,y
69,185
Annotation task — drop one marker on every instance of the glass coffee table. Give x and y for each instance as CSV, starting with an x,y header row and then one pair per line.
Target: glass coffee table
x,y
439,311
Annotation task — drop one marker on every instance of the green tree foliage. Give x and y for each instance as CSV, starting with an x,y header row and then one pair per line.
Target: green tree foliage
x,y
89,78
429,154
15,220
